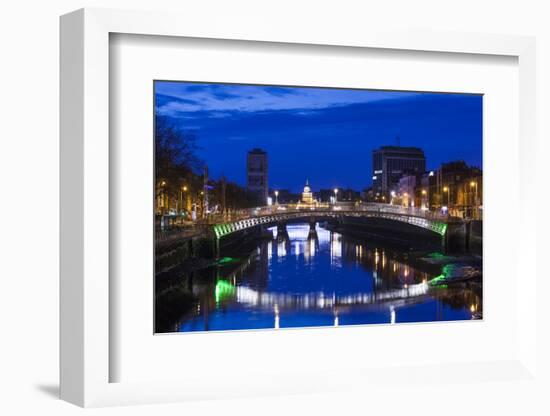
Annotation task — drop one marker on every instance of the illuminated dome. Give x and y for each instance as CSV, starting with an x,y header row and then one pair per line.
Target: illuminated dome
x,y
307,195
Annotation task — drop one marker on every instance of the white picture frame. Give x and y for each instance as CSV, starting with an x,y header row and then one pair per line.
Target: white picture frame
x,y
85,212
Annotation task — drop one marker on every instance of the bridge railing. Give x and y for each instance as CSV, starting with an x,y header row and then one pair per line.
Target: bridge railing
x,y
364,207
184,229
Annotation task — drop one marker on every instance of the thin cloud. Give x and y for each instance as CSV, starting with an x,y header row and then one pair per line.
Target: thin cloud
x,y
223,98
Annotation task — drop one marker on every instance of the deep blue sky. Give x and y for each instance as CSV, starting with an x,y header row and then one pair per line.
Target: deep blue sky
x,y
321,134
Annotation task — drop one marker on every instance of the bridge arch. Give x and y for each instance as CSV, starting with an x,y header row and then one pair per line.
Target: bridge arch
x,y
435,225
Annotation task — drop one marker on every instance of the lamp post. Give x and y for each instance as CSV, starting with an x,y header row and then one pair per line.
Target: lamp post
x,y
446,189
424,198
335,195
163,198
276,197
473,184
203,207
183,198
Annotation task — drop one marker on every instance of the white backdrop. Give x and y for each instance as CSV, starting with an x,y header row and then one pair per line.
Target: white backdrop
x,y
29,208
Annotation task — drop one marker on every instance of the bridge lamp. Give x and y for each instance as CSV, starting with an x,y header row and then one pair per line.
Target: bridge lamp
x,y
276,197
335,194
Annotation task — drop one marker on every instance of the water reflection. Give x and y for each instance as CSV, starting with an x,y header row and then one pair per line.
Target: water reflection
x,y
315,277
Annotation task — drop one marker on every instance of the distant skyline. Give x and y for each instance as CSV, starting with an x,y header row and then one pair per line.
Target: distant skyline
x,y
322,134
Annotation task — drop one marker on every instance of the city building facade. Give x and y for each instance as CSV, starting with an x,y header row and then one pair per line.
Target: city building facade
x,y
407,186
390,163
461,189
257,174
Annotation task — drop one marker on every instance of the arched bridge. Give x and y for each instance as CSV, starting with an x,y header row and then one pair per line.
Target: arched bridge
x,y
283,213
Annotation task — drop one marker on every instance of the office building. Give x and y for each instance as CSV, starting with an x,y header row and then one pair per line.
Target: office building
x,y
390,163
257,174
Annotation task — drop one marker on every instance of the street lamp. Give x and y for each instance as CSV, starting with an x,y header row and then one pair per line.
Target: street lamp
x,y
424,201
335,195
473,184
163,199
446,189
276,197
182,198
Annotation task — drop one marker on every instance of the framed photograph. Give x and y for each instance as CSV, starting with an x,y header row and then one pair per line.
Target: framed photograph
x,y
274,212
242,243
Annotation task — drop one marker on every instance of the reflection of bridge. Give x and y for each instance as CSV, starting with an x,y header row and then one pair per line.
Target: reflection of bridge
x,y
427,220
249,296
271,300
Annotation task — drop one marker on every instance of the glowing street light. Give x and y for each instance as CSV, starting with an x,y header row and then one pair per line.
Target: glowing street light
x,y
276,197
335,194
446,189
183,189
424,199
473,184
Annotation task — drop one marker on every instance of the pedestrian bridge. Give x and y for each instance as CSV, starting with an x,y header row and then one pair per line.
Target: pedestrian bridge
x,y
276,214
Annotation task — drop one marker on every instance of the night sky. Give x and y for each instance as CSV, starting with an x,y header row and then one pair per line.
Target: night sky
x,y
321,134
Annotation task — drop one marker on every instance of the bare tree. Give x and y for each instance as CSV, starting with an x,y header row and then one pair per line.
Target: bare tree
x,y
176,162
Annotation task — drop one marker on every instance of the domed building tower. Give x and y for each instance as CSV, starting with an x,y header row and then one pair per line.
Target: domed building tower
x,y
307,195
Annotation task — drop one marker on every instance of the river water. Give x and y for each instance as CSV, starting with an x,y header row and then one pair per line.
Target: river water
x,y
324,278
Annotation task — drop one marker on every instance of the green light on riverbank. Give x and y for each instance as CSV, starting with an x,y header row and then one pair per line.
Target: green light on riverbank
x,y
441,280
223,290
436,281
227,260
